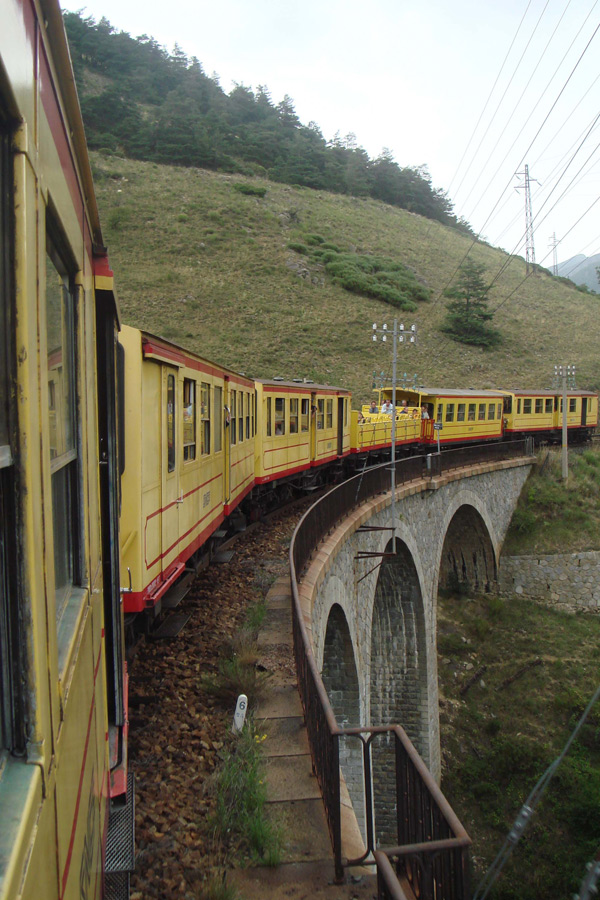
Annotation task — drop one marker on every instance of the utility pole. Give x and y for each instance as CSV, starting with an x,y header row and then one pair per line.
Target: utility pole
x,y
553,245
562,375
529,247
399,336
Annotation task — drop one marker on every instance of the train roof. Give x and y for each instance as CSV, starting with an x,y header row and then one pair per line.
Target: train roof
x,y
303,386
549,392
448,392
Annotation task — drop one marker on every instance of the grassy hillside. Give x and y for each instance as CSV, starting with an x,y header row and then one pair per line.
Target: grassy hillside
x,y
208,266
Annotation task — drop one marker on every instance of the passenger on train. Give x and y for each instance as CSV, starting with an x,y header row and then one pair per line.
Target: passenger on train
x,y
387,408
404,407
373,408
424,412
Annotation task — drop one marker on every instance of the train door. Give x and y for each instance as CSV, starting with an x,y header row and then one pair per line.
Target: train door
x,y
170,498
313,426
584,401
340,426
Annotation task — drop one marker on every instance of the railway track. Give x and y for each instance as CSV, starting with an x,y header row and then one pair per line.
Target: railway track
x,y
177,730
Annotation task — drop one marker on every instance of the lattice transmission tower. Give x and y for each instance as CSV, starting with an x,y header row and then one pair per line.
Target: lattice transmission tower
x,y
529,245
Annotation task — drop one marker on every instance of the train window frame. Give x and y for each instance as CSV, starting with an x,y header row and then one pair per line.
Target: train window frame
x,y
329,413
460,412
549,405
481,413
240,417
65,468
218,418
519,406
499,406
572,404
248,408
527,406
439,413
205,421
304,414
539,406
170,409
269,417
492,412
189,392
233,418
320,413
507,405
449,412
293,415
471,412
279,416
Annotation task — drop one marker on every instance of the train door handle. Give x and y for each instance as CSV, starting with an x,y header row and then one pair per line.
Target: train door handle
x,y
180,500
127,590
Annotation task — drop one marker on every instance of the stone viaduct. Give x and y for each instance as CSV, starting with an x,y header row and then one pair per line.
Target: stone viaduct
x,y
373,615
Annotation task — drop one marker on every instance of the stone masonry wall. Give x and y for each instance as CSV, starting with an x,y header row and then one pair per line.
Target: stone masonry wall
x,y
571,579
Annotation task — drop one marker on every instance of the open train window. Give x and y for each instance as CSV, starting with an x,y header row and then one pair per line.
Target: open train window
x,y
320,414
279,415
248,405
233,413
519,406
548,404
189,419
304,413
507,406
241,396
170,423
330,414
269,417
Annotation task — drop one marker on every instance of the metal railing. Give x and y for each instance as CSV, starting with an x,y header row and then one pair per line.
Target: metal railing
x,y
432,851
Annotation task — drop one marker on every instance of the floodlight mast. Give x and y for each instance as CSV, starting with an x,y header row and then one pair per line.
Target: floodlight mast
x,y
562,375
400,335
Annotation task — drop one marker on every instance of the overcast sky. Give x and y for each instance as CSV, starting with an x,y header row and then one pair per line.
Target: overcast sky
x,y
474,89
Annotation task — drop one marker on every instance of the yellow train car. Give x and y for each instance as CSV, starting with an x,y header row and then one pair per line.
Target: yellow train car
x,y
540,414
299,427
372,433
192,467
63,715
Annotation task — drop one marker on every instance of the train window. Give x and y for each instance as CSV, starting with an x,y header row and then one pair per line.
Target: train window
x,y
269,419
440,411
60,336
279,415
346,411
189,419
572,404
499,410
240,416
330,414
248,405
481,413
539,405
293,415
205,418
218,418
491,410
527,406
171,423
548,404
304,413
460,413
472,408
507,406
519,406
233,414
449,412
320,414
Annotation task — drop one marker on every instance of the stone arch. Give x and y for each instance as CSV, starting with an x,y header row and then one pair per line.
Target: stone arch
x,y
398,682
468,560
340,678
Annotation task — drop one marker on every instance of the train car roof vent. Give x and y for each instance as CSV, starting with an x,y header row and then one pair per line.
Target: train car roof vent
x,y
277,377
297,381
308,381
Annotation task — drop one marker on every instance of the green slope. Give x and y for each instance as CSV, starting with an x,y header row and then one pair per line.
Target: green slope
x,y
210,267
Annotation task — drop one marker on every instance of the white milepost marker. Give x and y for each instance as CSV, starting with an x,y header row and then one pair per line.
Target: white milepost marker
x,y
239,716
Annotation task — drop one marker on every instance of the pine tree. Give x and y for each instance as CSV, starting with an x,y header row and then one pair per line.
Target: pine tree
x,y
467,312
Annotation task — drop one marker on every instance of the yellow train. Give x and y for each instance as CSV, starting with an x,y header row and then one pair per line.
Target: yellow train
x,y
64,783
123,461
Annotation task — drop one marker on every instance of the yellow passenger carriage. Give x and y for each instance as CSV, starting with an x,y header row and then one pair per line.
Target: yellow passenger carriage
x,y
189,460
300,427
63,718
540,414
